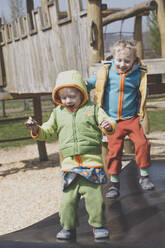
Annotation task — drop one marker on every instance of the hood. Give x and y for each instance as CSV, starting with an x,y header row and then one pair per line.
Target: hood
x,y
70,79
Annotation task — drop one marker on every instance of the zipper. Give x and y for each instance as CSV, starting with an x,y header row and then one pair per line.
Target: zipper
x,y
121,96
74,133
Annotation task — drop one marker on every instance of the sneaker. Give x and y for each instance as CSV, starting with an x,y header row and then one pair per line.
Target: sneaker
x,y
114,191
66,234
100,233
145,183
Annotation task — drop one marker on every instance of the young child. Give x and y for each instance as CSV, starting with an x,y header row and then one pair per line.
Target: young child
x,y
121,87
78,125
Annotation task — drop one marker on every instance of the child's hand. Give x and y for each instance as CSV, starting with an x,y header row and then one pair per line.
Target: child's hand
x,y
106,125
32,125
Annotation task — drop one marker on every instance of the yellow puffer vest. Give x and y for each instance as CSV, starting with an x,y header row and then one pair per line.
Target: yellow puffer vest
x,y
102,76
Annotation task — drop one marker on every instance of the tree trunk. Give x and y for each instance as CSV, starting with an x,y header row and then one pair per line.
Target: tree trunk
x,y
29,5
95,32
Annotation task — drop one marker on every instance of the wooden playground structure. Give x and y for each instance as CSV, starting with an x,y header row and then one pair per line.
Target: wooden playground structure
x,y
37,46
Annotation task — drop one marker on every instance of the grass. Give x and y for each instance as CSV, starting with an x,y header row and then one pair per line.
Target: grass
x,y
157,120
17,129
13,130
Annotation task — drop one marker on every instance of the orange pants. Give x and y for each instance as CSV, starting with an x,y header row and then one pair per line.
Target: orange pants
x,y
134,130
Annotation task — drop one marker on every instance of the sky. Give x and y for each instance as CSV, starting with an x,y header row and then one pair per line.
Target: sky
x,y
5,7
127,26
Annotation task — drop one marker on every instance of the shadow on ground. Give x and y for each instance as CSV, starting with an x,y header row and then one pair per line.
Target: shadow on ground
x,y
32,164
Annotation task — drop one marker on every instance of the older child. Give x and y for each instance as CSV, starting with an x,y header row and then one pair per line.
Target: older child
x,y
121,87
78,124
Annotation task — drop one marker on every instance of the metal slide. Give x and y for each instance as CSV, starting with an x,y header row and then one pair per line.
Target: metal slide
x,y
136,219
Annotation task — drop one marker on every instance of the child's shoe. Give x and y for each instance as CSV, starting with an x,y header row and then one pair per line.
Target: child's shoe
x,y
66,234
114,191
145,183
100,233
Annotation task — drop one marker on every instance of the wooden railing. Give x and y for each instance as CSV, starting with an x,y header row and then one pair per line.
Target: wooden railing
x,y
37,47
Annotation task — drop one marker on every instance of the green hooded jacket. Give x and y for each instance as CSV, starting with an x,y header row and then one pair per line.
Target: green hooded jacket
x,y
78,132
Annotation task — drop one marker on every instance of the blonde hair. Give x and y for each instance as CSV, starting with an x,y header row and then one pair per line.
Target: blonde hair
x,y
122,45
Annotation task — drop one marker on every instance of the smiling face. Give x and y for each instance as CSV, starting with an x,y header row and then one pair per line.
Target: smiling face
x,y
70,97
124,60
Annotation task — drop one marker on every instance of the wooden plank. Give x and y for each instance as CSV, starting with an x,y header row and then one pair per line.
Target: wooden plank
x,y
14,119
155,96
156,88
156,105
155,66
16,139
161,18
130,12
5,96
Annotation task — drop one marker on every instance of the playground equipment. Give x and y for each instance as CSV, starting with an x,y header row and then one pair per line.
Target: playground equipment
x,y
37,46
33,50
135,220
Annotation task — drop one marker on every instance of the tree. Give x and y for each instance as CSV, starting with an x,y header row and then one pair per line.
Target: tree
x,y
154,32
29,5
17,8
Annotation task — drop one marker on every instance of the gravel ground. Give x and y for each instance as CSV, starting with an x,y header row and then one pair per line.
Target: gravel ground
x,y
30,190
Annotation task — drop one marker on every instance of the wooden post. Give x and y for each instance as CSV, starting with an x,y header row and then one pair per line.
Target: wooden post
x,y
138,35
2,68
95,31
1,79
161,21
1,75
3,108
140,53
129,147
145,123
104,156
38,116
